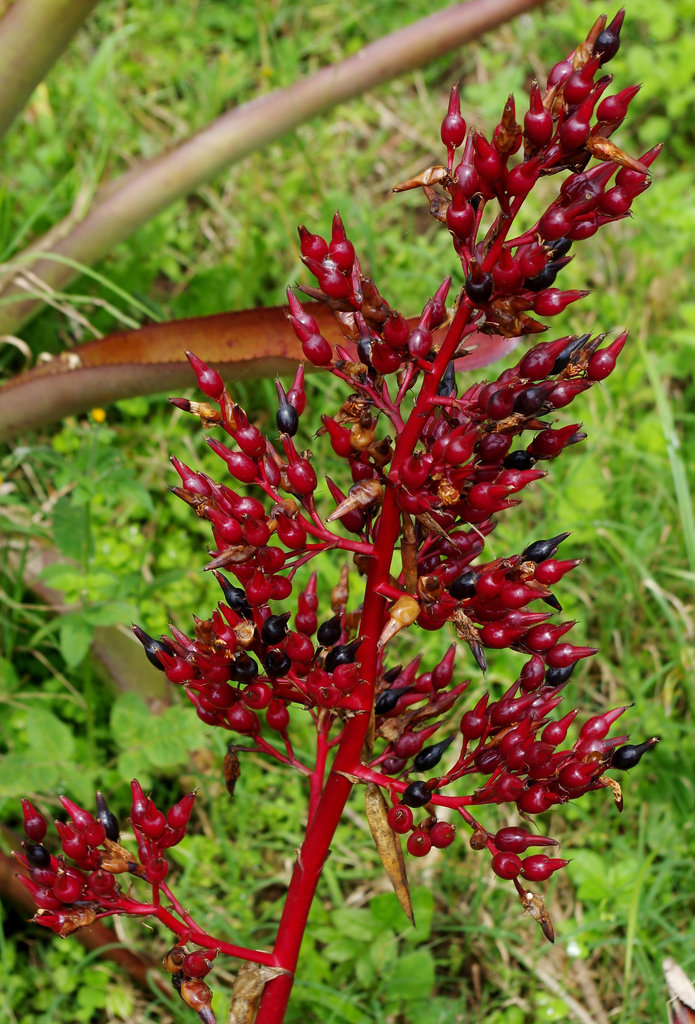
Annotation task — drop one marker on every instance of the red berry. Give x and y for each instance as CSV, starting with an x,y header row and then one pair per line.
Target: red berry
x,y
69,885
277,716
195,965
539,867
506,865
442,834
419,843
400,819
34,823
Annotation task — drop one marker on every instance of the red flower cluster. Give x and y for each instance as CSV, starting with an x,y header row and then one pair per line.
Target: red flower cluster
x,y
429,469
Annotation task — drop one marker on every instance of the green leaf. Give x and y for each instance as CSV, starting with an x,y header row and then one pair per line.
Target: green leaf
x,y
410,976
75,636
355,923
49,739
9,680
110,613
65,577
130,721
19,772
71,530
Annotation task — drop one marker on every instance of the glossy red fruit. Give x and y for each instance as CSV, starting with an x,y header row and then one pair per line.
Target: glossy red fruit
x,y
400,818
34,823
419,843
506,865
538,867
442,834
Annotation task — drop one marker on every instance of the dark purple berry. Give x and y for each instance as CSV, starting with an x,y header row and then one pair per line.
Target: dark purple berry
x,y
447,385
529,401
544,279
277,663
387,700
345,654
107,819
329,632
416,794
274,629
628,756
570,350
234,596
479,288
431,756
151,646
463,586
558,676
542,549
37,855
519,459
287,419
243,668
559,247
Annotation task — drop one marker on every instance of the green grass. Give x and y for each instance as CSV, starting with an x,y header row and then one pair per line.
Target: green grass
x,y
137,79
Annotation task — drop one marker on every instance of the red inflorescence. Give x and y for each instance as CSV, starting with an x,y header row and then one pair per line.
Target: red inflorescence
x,y
431,460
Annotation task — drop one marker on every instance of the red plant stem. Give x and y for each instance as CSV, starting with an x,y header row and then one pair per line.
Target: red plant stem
x,y
323,824
191,933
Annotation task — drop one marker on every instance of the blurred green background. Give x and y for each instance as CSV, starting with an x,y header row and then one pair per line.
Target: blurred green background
x,y
139,77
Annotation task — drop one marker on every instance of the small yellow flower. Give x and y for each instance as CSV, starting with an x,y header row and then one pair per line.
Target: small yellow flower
x,y
98,415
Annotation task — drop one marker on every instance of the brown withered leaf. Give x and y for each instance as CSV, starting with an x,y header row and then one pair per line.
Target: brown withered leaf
x,y
437,175
231,768
535,907
248,989
76,918
681,1004
116,860
439,204
616,788
585,50
388,847
604,149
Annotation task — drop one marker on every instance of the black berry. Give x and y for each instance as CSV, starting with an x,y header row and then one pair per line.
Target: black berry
x,y
107,819
287,419
329,631
277,663
542,549
569,351
479,289
628,756
463,586
431,756
387,700
274,629
416,794
519,459
342,655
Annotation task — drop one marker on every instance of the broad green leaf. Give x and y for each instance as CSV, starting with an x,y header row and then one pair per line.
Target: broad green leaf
x,y
410,975
75,635
19,774
71,530
50,740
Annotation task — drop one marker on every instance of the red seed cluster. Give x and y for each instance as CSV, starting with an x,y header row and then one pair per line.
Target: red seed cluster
x,y
424,461
72,895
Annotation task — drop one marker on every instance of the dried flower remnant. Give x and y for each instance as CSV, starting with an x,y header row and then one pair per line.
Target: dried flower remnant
x,y
429,460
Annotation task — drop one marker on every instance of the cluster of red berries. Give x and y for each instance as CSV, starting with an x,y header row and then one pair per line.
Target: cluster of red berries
x,y
429,470
70,896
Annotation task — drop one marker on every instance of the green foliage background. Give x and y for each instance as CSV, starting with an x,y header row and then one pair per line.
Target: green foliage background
x,y
142,76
